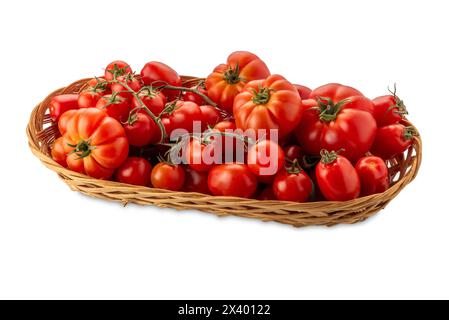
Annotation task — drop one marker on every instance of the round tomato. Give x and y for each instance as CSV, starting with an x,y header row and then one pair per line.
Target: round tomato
x,y
193,97
392,140
228,148
131,81
185,115
88,99
141,130
95,143
337,178
227,80
157,74
273,103
265,159
168,176
200,157
152,99
210,116
233,180
99,85
62,103
222,126
334,126
57,152
388,110
373,174
304,92
196,181
115,106
135,171
116,69
293,152
292,184
267,193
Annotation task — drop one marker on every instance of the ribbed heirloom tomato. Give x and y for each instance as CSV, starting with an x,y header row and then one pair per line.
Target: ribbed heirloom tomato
x,y
228,79
233,180
273,103
95,144
373,174
337,117
57,152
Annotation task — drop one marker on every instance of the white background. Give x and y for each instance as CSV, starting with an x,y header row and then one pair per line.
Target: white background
x,y
55,243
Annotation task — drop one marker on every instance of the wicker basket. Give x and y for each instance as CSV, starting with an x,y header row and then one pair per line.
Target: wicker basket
x,y
403,169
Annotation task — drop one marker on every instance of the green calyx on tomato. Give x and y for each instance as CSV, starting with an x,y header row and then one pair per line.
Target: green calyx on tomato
x,y
399,104
232,75
293,167
328,109
82,148
329,157
117,71
262,96
410,132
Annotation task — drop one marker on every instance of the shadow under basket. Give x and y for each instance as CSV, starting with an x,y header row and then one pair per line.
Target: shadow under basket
x,y
403,169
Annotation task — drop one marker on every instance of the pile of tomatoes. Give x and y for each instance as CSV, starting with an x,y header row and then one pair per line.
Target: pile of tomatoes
x,y
330,143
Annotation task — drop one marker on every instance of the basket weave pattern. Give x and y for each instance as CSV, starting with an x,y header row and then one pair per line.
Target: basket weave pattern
x,y
403,169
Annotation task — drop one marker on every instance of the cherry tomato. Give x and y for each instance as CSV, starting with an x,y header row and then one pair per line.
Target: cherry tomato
x,y
233,180
210,116
200,157
115,106
292,184
57,152
62,103
157,74
337,178
99,85
392,140
88,99
185,115
193,97
373,174
196,181
152,99
304,92
115,69
135,171
265,159
141,130
131,81
168,176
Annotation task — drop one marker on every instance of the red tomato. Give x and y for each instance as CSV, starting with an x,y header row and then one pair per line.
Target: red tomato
x,y
141,130
88,99
388,110
293,152
62,103
273,103
199,157
226,146
392,140
196,181
292,184
222,126
135,171
57,152
131,81
63,120
116,69
267,193
183,114
152,99
227,80
337,178
115,106
304,92
233,180
100,85
193,97
265,159
335,126
210,116
157,74
373,174
95,143
168,176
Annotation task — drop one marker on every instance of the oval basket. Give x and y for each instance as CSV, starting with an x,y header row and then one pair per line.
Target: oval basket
x,y
403,169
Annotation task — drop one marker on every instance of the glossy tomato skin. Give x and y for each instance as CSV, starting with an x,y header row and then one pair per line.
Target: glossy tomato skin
x,y
392,140
57,152
273,103
267,193
304,92
373,174
210,116
115,106
134,170
88,99
293,152
62,103
185,115
388,110
101,143
352,131
233,180
296,186
196,181
197,156
338,180
224,125
142,130
115,69
265,159
157,74
168,176
227,80
193,97
131,81
153,100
